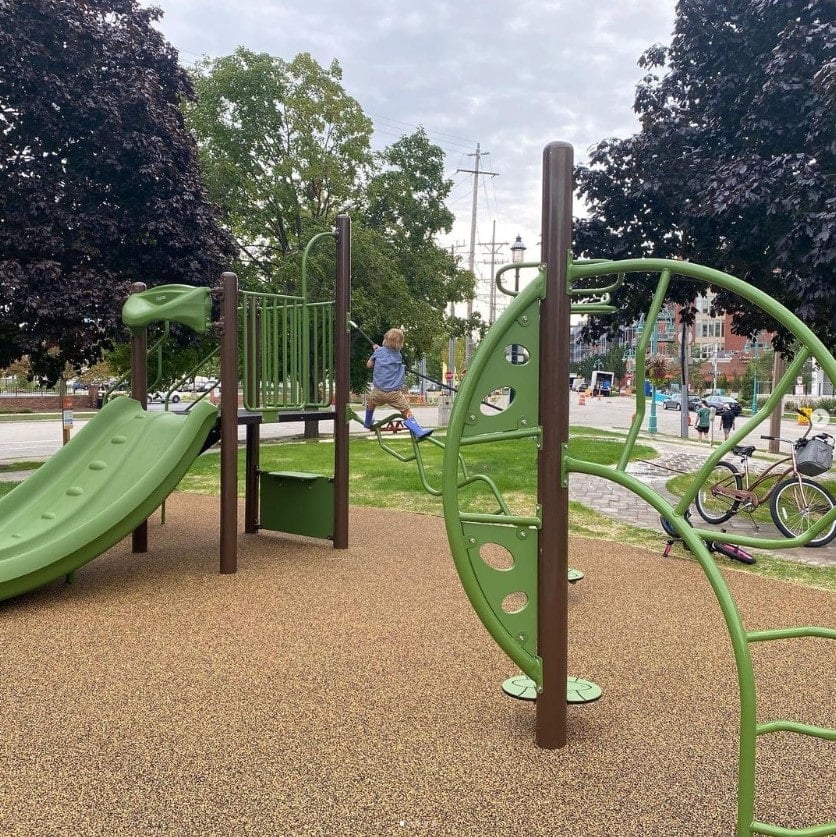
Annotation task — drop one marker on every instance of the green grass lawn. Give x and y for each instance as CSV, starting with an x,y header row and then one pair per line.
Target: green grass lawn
x,y
379,479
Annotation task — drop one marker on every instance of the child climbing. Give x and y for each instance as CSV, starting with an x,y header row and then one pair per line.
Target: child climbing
x,y
387,382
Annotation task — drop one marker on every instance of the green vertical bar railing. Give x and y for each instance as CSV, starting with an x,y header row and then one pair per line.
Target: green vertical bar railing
x,y
288,351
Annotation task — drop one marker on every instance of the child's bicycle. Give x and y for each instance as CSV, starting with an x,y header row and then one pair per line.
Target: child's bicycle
x,y
730,550
796,502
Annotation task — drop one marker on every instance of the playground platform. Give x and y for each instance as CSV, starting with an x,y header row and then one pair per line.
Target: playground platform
x,y
356,692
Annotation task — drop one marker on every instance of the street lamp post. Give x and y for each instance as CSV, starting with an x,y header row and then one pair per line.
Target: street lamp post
x,y
517,251
652,420
753,346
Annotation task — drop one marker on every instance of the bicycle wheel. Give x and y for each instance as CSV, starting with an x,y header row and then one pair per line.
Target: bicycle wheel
x,y
713,507
797,508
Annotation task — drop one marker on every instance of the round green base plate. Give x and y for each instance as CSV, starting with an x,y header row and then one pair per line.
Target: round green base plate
x,y
577,690
574,576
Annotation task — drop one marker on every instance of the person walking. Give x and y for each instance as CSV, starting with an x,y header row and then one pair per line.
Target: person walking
x,y
388,376
726,416
703,420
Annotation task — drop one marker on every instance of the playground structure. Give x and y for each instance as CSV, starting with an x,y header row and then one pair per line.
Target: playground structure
x,y
294,365
279,384
100,487
534,634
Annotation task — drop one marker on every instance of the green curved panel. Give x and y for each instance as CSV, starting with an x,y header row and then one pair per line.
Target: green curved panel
x,y
487,587
516,585
493,368
175,303
95,491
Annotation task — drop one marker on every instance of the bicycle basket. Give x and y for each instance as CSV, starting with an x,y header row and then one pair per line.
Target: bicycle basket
x,y
814,457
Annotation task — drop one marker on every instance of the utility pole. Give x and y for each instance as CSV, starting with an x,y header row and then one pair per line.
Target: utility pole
x,y
684,356
778,367
495,246
475,171
451,346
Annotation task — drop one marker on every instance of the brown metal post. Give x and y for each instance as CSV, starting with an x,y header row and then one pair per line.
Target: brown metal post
x,y
229,424
139,392
778,368
341,383
251,478
553,563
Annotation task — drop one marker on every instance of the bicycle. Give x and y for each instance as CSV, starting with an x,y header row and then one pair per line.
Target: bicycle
x,y
729,550
796,502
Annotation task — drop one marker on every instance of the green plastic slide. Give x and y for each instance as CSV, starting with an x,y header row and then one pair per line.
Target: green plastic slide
x,y
96,490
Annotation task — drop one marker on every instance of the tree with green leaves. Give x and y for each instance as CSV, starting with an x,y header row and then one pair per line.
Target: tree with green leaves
x,y
734,162
285,149
99,178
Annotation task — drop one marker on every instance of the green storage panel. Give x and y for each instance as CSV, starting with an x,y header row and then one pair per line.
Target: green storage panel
x,y
298,503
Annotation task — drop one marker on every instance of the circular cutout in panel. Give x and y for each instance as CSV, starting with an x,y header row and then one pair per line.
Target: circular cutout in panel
x,y
495,556
497,401
516,354
514,602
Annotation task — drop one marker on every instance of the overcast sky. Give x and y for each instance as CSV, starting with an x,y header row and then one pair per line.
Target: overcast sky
x,y
512,77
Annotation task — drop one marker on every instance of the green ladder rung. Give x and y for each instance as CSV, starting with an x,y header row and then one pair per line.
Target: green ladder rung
x,y
824,733
823,830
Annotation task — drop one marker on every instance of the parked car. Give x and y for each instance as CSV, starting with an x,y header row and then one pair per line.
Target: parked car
x,y
722,402
159,397
675,402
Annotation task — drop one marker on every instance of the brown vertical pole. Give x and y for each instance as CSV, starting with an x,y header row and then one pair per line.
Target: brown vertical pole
x,y
139,392
778,369
229,424
553,564
251,479
341,366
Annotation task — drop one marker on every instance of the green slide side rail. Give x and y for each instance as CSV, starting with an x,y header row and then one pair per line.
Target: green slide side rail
x,y
184,304
95,491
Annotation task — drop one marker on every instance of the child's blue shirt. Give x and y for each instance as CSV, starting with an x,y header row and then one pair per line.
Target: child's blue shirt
x,y
389,371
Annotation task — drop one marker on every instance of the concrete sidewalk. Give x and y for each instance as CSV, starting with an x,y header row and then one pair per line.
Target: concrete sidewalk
x,y
614,501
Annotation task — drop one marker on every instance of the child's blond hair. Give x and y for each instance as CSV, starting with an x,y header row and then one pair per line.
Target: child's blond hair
x,y
393,339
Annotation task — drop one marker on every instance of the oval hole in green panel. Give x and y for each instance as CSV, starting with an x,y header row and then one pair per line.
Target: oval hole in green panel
x,y
516,354
118,440
97,465
496,401
496,556
514,602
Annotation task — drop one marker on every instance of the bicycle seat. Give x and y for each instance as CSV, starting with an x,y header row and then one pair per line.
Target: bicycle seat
x,y
743,450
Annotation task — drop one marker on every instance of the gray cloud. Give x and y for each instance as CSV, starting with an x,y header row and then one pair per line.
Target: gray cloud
x,y
510,76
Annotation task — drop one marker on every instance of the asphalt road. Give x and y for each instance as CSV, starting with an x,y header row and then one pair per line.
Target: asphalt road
x,y
38,440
